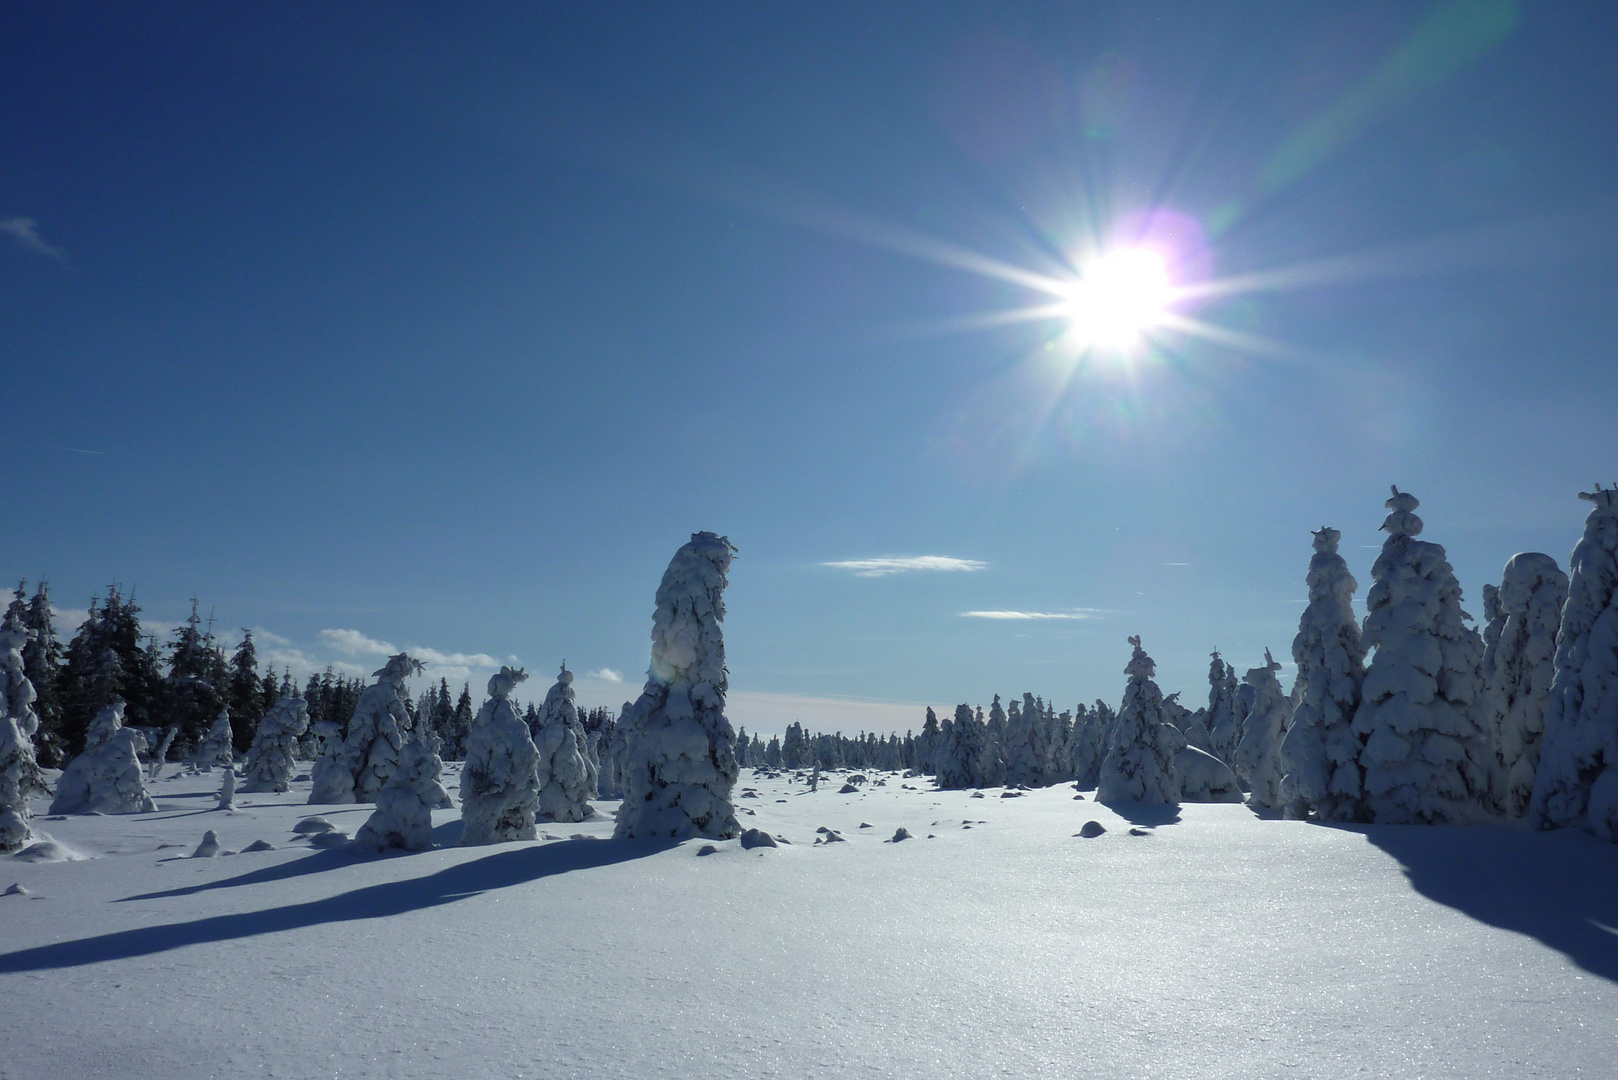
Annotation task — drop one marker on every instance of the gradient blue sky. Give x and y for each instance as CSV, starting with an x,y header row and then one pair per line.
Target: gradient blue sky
x,y
443,326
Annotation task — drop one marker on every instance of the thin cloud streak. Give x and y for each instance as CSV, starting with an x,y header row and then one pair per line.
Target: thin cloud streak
x,y
1013,615
25,231
884,567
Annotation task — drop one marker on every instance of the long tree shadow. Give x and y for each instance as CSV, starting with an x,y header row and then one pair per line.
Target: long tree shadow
x,y
1148,815
1560,888
498,871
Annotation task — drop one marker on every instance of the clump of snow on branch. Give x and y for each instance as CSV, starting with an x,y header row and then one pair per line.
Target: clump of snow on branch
x,y
1518,671
215,747
681,760
1577,781
107,777
1139,766
1258,755
1321,752
500,779
1425,759
566,782
403,818
271,760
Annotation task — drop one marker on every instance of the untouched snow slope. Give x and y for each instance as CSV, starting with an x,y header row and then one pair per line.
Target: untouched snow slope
x,y
1216,945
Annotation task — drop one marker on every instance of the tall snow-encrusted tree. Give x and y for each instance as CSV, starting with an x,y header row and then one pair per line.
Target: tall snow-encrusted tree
x,y
1085,749
1223,730
42,664
1023,757
1519,668
956,760
197,685
376,731
681,761
926,742
403,817
500,780
106,778
991,767
19,768
566,784
330,780
1258,755
271,758
1139,766
245,697
1425,758
1577,780
1321,752
215,748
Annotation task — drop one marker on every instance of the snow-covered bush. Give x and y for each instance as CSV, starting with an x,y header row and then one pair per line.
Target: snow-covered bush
x,y
500,779
565,780
1519,666
1258,755
681,762
1321,753
1139,766
1577,780
1425,759
107,777
1223,729
1204,778
270,760
403,817
331,781
215,747
376,732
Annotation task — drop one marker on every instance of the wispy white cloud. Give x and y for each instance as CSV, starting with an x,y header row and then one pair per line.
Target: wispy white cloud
x,y
25,232
269,637
1079,614
355,643
67,620
455,659
883,567
605,674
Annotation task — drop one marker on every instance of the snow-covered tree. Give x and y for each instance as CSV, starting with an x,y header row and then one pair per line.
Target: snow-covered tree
x,y
1223,730
403,817
106,778
1519,667
215,748
681,759
330,780
1085,747
1139,766
376,732
1321,753
500,780
927,742
17,699
955,761
270,760
565,781
1425,756
1577,780
1020,750
991,765
1258,755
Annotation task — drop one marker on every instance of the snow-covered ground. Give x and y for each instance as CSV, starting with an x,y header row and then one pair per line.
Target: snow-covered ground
x,y
994,942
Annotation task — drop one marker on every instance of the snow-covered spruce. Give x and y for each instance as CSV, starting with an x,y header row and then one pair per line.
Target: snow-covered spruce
x,y
1258,755
1321,753
1425,759
1577,780
1223,730
271,760
215,747
1204,778
991,763
959,751
20,775
376,732
681,764
1020,748
500,779
1139,766
403,817
565,781
1085,748
107,777
330,779
1519,667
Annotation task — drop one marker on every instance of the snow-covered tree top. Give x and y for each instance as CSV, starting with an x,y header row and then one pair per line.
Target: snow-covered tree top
x,y
1525,573
505,681
1402,521
14,636
1260,675
399,668
1491,603
1140,665
1325,542
1604,500
691,597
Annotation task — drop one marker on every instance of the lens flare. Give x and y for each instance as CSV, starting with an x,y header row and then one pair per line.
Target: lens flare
x,y
1119,299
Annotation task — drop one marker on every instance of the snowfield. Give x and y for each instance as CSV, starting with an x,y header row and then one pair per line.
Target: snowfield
x,y
993,942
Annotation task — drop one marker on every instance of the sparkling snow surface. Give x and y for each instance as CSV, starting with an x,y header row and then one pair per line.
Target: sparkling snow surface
x,y
1220,945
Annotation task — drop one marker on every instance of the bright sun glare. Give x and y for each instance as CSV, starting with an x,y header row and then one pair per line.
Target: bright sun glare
x,y
1119,299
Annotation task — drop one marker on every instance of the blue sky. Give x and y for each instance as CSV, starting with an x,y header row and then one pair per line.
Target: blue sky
x,y
444,327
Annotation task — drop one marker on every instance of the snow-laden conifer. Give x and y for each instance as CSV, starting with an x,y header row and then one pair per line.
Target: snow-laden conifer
x,y
1425,758
1020,750
376,731
959,752
500,780
271,759
1139,766
107,777
330,780
1258,755
20,774
403,817
16,755
1321,753
681,761
215,748
1577,779
565,781
991,763
1519,667
1085,747
1223,731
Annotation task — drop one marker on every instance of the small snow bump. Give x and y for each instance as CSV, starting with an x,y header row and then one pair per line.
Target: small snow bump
x,y
259,845
708,849
901,833
17,889
1091,829
1137,831
313,825
752,838
865,824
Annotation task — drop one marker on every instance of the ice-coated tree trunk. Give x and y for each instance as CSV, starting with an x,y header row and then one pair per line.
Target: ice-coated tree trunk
x,y
1519,668
1321,752
1577,779
107,777
1139,766
681,759
1425,758
271,759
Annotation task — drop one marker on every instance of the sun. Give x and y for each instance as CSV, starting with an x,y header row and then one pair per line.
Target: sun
x,y
1119,299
